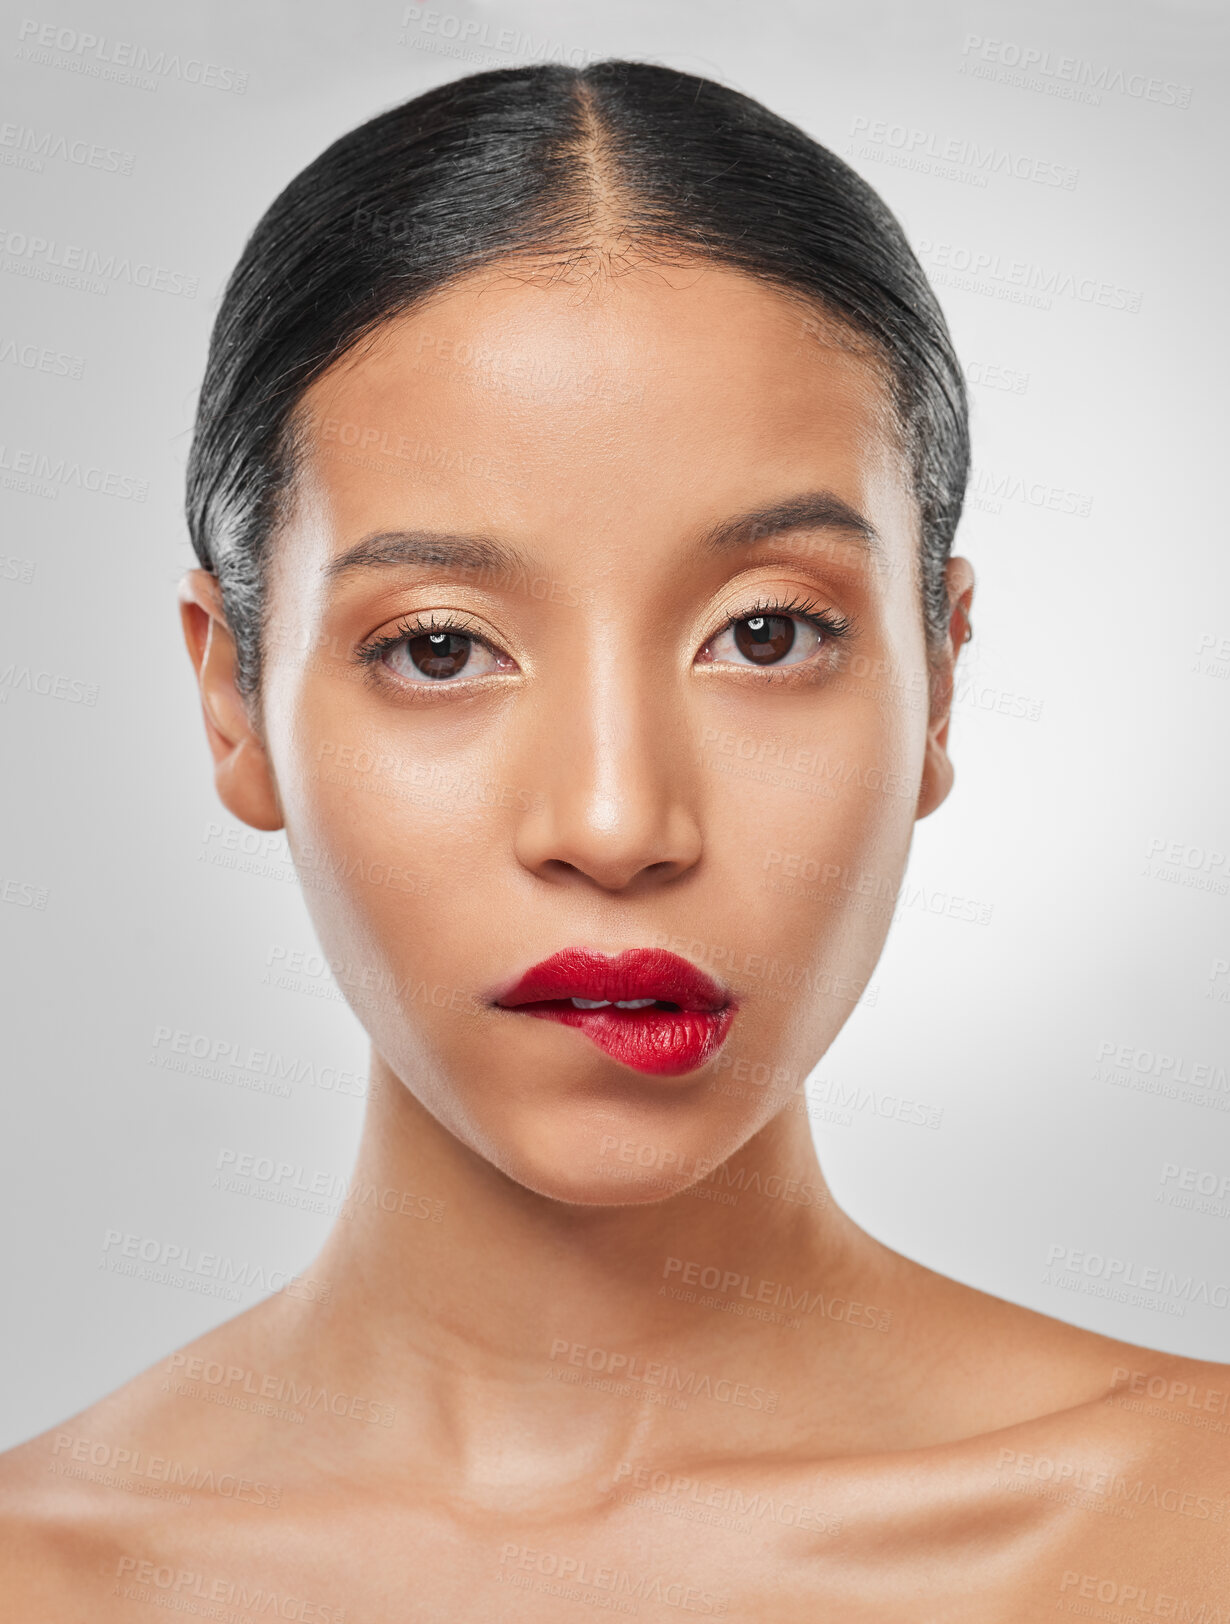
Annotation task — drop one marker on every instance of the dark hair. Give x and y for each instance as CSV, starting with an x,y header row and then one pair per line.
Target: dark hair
x,y
549,162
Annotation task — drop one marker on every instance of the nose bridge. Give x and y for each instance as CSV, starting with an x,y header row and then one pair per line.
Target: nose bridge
x,y
606,760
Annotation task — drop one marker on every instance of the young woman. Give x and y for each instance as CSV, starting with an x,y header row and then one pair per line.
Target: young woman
x,y
574,485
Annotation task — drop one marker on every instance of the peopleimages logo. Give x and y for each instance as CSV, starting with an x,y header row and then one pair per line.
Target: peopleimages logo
x,y
54,473
1020,281
1147,1384
990,488
1142,1600
919,148
1079,1478
89,270
170,1263
26,147
1069,77
577,1578
174,1588
1171,1069
1123,1276
627,1368
465,32
98,57
40,358
775,1293
50,684
121,1463
753,1507
300,1394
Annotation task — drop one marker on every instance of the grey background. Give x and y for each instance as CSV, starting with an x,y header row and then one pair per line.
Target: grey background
x,y
1089,732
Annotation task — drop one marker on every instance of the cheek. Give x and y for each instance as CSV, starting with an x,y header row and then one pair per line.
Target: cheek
x,y
795,813
810,831
836,877
389,853
372,784
393,841
813,870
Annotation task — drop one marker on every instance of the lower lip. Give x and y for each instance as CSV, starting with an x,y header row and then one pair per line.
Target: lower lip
x,y
661,1042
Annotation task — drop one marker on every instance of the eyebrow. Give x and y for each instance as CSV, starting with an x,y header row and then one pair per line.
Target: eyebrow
x,y
428,549
817,510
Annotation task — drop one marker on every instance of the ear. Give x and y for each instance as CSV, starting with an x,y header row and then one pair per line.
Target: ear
x,y
937,773
242,772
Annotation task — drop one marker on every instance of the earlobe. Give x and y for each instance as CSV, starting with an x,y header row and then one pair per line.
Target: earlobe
x,y
938,773
937,778
242,772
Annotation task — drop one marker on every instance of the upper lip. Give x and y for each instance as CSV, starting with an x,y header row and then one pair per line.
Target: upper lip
x,y
638,972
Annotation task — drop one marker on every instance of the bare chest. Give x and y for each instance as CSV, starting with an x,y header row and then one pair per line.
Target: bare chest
x,y
660,1552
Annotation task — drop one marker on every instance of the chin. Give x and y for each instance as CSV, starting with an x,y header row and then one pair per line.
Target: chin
x,y
589,1188
612,1155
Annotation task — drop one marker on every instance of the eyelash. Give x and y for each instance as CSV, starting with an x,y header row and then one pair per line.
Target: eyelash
x,y
368,653
828,621
832,626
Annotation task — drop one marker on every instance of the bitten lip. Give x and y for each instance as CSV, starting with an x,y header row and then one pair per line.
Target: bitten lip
x,y
636,973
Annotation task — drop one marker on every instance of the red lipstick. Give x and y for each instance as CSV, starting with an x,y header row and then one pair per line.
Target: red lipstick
x,y
646,1008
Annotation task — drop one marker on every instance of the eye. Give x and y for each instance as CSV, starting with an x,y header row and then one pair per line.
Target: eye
x,y
435,653
766,640
436,656
773,635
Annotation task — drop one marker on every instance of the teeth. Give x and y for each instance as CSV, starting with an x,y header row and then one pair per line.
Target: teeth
x,y
605,1003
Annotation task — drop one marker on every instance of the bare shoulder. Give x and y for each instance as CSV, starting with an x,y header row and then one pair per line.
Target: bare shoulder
x,y
81,1503
1133,1485
1092,1470
1168,1418
1157,1422
56,1538
1007,1362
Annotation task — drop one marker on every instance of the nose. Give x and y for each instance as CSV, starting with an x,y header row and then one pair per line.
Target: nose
x,y
613,807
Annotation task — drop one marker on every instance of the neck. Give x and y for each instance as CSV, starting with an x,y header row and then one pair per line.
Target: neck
x,y
451,1283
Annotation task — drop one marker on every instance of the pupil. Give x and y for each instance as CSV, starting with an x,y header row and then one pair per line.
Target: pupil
x,y
765,638
439,654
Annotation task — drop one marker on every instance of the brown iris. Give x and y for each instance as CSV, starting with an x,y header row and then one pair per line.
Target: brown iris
x,y
439,654
764,638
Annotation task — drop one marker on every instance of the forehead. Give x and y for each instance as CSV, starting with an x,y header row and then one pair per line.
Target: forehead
x,y
657,397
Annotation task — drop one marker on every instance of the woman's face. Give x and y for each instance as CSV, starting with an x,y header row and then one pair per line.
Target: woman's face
x,y
596,626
